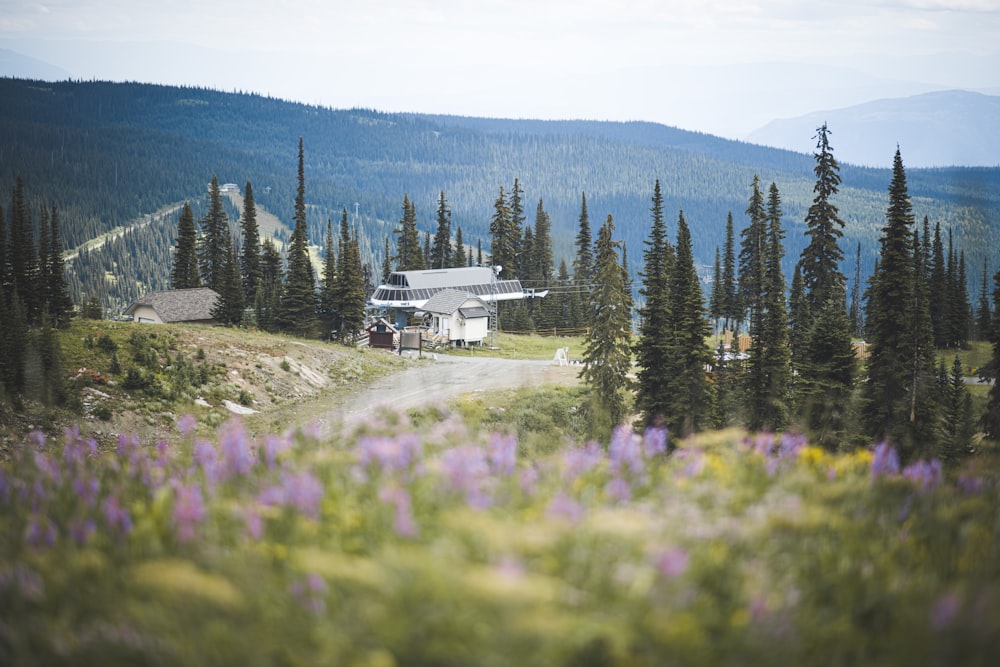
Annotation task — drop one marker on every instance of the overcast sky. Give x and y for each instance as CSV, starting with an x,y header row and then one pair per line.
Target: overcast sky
x,y
719,66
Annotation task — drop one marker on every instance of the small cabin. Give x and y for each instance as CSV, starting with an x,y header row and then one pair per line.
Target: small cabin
x,y
459,317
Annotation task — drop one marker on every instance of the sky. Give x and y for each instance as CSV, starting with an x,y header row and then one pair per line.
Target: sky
x,y
725,67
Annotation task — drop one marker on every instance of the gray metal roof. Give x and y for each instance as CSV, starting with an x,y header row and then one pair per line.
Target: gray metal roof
x,y
180,305
438,278
447,301
475,311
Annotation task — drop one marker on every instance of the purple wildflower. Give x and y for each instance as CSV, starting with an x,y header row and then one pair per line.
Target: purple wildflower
x,y
87,489
189,511
81,531
273,448
48,467
303,492
624,451
564,507
399,498
693,461
654,441
467,470
128,445
673,562
926,474
398,454
618,489
970,484
885,461
186,425
237,450
944,611
579,460
116,516
529,480
310,592
254,523
204,455
764,444
503,454
41,532
38,439
791,444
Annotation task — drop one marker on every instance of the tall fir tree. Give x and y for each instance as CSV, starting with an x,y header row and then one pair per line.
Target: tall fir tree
x,y
409,255
990,420
896,368
957,420
583,268
60,306
502,242
214,238
715,296
984,316
298,297
855,312
731,308
826,377
386,261
753,241
185,274
350,285
22,260
607,356
267,302
938,287
517,218
329,302
441,250
653,347
427,249
228,308
689,394
821,258
250,252
458,257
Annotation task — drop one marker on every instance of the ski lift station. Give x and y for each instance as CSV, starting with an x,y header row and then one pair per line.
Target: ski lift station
x,y
406,292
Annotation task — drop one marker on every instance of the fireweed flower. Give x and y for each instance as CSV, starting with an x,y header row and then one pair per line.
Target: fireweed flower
x,y
503,454
885,461
189,511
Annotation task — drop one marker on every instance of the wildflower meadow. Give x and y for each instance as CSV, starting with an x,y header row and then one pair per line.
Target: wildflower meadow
x,y
394,545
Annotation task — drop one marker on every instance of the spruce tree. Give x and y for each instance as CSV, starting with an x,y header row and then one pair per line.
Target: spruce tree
x,y
409,255
386,262
441,250
607,356
60,304
250,253
298,298
820,260
267,303
956,440
516,206
653,347
896,368
350,285
731,308
185,273
983,313
753,240
22,259
826,376
855,313
715,297
689,397
228,308
990,420
583,269
938,287
214,238
329,303
502,243
458,257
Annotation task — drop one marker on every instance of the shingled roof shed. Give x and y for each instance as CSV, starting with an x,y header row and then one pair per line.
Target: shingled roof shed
x,y
181,305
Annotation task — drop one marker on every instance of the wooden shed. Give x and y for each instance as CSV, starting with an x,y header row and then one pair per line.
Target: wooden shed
x,y
381,334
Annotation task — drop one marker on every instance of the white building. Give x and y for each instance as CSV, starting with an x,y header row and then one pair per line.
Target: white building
x,y
458,317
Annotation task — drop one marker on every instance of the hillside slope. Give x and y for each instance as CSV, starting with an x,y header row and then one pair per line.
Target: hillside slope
x,y
110,153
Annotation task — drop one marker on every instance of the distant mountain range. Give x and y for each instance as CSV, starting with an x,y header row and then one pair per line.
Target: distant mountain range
x,y
109,153
938,129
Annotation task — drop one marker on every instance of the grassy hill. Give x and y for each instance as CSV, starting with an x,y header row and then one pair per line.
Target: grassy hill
x,y
109,153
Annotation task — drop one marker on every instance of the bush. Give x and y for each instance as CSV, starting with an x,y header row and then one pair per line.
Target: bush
x,y
135,379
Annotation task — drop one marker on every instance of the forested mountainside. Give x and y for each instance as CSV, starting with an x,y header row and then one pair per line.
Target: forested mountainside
x,y
108,153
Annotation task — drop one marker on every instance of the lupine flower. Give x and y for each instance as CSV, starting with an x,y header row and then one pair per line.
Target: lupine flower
x,y
205,456
128,445
579,460
693,460
310,592
885,461
399,498
303,492
503,454
186,425
47,466
625,451
970,484
116,516
273,448
618,489
673,562
254,522
564,507
397,454
41,532
236,449
81,530
467,470
944,611
654,441
189,511
87,489
529,480
927,475
37,438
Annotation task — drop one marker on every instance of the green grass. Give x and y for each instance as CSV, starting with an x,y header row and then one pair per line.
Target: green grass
x,y
525,346
973,359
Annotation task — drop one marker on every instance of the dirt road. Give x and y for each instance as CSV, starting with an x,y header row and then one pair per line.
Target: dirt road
x,y
442,380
